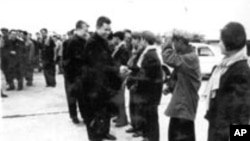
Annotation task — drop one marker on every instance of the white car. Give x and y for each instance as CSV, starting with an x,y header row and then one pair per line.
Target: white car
x,y
210,56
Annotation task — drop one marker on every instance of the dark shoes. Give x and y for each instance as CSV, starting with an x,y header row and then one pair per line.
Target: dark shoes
x,y
137,134
3,95
10,88
20,88
29,84
13,88
109,137
130,130
51,85
121,124
75,120
145,139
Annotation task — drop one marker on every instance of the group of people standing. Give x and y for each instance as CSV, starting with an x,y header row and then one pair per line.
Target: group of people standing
x,y
21,54
97,70
99,66
17,56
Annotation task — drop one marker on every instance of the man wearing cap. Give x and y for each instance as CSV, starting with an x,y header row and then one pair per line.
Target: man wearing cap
x,y
72,64
186,83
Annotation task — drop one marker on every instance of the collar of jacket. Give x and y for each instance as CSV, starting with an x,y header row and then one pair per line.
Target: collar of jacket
x,y
148,48
78,37
101,40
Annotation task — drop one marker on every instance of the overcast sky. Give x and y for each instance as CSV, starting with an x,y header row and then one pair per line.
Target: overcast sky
x,y
201,16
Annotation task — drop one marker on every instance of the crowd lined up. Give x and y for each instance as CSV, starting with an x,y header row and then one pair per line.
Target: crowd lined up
x,y
21,54
98,67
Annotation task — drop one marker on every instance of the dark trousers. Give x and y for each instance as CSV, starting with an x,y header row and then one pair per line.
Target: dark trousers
x,y
7,76
133,110
97,118
4,67
151,125
74,98
16,72
181,130
50,73
217,133
29,73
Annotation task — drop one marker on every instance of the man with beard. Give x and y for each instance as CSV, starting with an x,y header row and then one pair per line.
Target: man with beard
x,y
100,81
48,53
73,61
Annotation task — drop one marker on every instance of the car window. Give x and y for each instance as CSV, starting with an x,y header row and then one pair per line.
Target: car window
x,y
205,51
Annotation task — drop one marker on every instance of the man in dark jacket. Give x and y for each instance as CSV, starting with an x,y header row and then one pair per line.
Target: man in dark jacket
x,y
148,87
48,53
100,81
73,61
15,64
228,90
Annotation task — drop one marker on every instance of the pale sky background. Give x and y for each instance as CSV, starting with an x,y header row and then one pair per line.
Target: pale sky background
x,y
201,16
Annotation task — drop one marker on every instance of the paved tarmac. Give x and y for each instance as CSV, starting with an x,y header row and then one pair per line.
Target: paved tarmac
x,y
39,113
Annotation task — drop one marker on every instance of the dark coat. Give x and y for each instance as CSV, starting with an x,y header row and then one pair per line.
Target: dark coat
x,y
100,73
48,46
122,55
17,58
149,79
231,104
186,81
73,57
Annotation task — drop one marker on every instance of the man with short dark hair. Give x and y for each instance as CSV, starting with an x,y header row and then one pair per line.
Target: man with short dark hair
x,y
72,64
228,91
48,53
101,81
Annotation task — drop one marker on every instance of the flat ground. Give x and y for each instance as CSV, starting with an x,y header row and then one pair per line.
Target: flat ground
x,y
39,113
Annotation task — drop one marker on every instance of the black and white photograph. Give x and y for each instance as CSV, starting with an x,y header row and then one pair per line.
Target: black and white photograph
x,y
125,70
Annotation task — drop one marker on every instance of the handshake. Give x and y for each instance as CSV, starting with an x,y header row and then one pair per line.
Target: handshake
x,y
124,70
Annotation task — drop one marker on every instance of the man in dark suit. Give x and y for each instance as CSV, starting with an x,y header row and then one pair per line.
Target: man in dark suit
x,y
100,81
73,61
48,54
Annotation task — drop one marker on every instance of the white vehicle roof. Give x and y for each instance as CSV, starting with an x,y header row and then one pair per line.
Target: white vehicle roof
x,y
215,49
